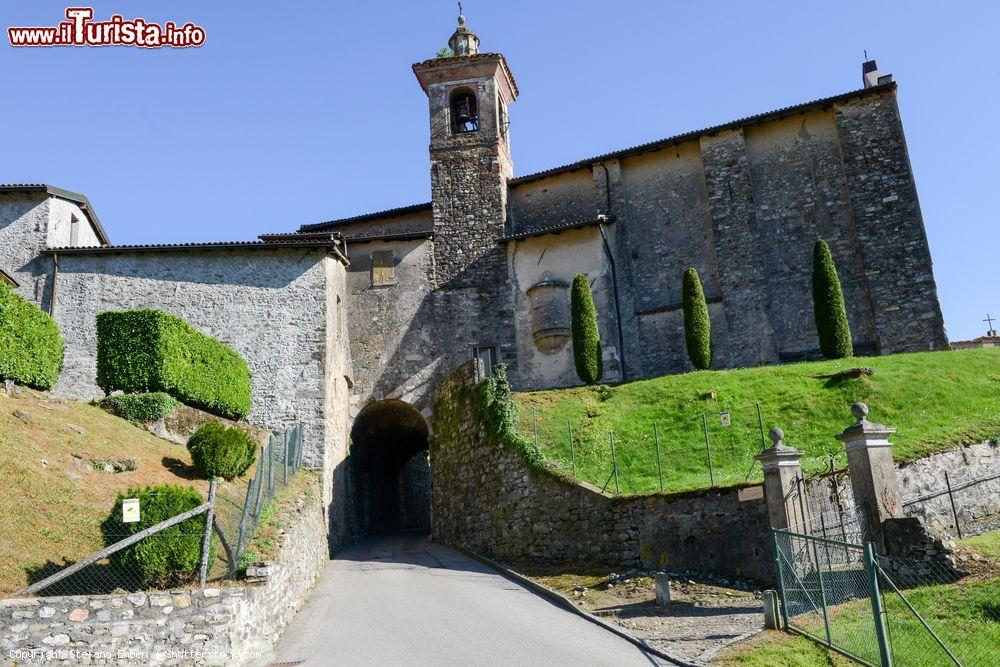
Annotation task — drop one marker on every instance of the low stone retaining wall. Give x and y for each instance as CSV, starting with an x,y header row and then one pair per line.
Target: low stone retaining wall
x,y
229,625
485,499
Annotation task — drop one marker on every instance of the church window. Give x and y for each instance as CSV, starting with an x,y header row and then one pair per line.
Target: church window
x,y
464,111
74,230
383,268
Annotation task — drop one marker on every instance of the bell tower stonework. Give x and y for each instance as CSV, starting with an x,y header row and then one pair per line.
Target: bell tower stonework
x,y
468,95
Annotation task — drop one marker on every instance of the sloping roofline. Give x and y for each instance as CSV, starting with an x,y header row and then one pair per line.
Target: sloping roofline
x,y
74,197
333,245
388,213
688,136
9,279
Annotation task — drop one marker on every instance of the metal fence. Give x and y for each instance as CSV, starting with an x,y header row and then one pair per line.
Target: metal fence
x,y
232,512
956,501
886,611
241,503
709,449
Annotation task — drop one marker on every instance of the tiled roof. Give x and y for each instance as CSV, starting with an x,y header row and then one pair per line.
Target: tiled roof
x,y
556,229
388,213
74,197
398,236
208,245
688,136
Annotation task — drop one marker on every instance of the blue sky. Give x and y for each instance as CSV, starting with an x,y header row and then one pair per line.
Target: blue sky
x,y
300,112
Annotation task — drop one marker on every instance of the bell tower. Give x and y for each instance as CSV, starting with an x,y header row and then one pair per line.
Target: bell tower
x,y
468,94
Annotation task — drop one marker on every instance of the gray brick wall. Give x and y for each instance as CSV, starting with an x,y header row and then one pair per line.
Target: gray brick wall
x,y
744,206
270,306
893,244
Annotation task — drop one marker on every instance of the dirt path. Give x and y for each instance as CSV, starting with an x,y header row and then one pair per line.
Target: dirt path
x,y
702,618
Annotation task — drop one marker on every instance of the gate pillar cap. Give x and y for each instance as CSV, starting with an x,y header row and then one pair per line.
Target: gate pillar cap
x,y
864,431
778,454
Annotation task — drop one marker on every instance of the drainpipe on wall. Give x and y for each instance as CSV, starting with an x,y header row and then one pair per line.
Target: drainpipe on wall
x,y
614,273
55,277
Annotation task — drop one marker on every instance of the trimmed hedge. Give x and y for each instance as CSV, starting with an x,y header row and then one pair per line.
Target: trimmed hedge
x,y
149,350
828,306
31,349
586,336
142,408
223,452
697,323
167,558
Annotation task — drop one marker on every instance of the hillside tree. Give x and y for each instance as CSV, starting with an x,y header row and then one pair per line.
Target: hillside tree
x,y
586,337
828,305
697,323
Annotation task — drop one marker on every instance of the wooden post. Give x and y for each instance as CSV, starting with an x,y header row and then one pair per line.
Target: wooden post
x,y
206,540
244,514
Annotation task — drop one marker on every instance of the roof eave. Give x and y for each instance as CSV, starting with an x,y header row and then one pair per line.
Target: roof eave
x,y
366,217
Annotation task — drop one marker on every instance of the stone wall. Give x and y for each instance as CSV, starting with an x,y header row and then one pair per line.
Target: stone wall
x,y
392,329
235,624
23,221
29,223
558,258
978,506
567,198
486,499
744,205
282,310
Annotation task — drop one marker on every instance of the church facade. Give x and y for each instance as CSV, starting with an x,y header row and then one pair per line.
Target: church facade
x,y
345,321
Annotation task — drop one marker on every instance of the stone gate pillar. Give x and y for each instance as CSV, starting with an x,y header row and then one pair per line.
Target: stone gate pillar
x,y
782,470
873,475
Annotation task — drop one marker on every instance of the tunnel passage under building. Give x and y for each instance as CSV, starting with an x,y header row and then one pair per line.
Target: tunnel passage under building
x,y
389,472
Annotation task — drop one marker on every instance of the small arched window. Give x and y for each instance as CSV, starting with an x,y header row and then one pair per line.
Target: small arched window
x,y
464,111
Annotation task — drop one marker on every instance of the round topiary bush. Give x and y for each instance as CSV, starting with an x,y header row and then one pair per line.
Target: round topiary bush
x,y
168,558
142,408
697,323
586,336
223,452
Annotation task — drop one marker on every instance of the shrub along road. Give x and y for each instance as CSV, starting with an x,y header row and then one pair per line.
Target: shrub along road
x,y
403,600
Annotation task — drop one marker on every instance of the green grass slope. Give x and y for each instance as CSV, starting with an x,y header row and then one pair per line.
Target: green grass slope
x,y
935,399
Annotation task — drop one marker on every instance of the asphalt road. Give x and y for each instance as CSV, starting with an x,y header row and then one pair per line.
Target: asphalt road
x,y
401,600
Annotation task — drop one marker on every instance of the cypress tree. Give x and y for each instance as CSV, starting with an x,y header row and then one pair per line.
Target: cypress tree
x,y
828,306
697,324
586,337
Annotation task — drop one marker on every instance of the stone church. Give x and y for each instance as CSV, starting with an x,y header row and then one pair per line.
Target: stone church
x,y
348,324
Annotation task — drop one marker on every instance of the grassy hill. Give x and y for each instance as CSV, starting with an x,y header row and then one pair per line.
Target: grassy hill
x,y
935,399
53,497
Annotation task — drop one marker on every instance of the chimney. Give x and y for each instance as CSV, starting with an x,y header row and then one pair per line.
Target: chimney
x,y
871,76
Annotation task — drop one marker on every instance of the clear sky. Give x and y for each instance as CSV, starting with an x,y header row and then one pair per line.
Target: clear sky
x,y
299,112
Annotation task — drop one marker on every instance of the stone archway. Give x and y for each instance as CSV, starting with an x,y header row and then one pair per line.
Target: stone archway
x,y
389,474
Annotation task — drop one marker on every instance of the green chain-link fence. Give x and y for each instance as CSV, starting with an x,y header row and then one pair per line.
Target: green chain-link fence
x,y
236,508
887,611
708,449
